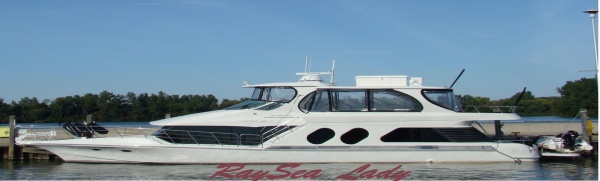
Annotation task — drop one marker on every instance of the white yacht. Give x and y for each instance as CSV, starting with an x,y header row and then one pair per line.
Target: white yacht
x,y
381,119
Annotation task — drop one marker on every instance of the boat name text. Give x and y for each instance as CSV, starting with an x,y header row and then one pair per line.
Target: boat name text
x,y
286,171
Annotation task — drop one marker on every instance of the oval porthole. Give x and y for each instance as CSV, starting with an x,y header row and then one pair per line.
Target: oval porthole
x,y
355,135
320,136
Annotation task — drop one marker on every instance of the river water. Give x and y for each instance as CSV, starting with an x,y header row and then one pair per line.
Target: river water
x,y
574,169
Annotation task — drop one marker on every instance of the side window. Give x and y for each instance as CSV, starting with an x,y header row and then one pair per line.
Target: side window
x,y
413,135
279,94
354,136
349,100
306,102
320,136
443,98
352,100
389,100
321,103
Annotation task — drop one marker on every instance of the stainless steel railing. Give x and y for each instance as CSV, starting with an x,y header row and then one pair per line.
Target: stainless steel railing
x,y
208,138
490,109
49,133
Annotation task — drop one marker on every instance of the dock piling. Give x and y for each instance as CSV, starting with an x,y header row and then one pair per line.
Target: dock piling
x,y
11,138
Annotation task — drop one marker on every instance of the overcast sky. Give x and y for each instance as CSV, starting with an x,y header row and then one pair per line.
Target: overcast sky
x,y
51,49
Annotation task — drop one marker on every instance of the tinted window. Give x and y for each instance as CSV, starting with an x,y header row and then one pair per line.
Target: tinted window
x,y
389,100
413,135
349,100
354,136
320,136
443,98
306,102
321,103
267,98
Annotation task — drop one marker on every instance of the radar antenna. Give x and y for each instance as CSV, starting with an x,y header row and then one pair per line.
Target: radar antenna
x,y
316,76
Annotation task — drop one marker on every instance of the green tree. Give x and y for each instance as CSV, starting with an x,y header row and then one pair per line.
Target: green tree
x,y
4,111
112,107
66,109
582,93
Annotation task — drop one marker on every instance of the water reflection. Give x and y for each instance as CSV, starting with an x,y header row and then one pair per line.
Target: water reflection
x,y
580,169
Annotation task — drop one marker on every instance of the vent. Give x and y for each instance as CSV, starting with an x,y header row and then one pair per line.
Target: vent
x,y
462,134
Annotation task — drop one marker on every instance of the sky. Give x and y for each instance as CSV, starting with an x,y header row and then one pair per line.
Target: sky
x,y
51,49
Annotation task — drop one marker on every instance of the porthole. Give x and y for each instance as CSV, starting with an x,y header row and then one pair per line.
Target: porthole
x,y
320,136
354,136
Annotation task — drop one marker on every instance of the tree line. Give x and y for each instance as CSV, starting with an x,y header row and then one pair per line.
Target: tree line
x,y
109,107
574,95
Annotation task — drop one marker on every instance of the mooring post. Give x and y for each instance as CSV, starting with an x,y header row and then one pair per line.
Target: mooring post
x,y
167,116
11,138
586,127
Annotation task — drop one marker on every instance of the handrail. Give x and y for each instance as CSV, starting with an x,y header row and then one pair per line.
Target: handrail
x,y
50,133
490,109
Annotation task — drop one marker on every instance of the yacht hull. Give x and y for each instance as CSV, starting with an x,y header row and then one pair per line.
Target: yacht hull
x,y
150,151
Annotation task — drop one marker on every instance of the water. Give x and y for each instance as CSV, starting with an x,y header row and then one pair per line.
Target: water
x,y
577,169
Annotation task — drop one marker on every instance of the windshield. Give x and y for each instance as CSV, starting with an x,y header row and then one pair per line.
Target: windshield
x,y
267,98
443,98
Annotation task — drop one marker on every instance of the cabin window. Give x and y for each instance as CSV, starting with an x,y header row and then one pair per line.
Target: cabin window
x,y
355,100
443,98
320,136
315,102
267,98
306,102
349,100
354,136
278,94
389,100
413,135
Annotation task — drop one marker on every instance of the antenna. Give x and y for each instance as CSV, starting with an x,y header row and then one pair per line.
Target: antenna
x,y
309,64
332,73
305,63
520,96
461,72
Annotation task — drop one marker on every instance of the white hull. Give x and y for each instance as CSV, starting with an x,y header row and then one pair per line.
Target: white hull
x,y
552,146
147,152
